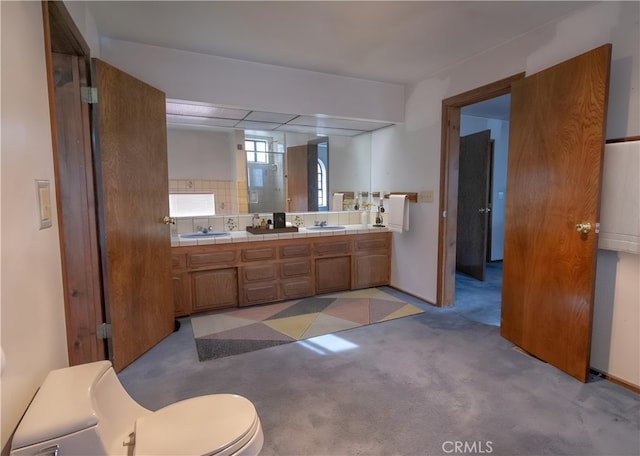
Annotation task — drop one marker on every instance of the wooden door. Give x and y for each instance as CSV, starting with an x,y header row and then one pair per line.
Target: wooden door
x,y
297,180
554,167
132,184
473,204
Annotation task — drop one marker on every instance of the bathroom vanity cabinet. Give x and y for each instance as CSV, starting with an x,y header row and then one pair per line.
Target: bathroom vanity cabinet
x,y
220,276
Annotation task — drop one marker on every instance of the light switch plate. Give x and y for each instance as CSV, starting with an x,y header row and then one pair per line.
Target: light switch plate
x,y
43,190
426,196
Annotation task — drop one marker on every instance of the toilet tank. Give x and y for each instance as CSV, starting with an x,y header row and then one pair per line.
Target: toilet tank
x,y
78,410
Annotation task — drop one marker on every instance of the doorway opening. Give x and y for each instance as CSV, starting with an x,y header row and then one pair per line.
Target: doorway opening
x,y
452,110
484,141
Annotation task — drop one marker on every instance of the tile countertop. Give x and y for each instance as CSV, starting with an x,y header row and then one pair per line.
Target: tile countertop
x,y
244,236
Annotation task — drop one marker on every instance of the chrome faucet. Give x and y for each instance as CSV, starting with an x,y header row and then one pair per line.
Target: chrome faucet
x,y
204,229
318,223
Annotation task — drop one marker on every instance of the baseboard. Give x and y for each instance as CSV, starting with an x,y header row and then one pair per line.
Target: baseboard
x,y
617,381
412,295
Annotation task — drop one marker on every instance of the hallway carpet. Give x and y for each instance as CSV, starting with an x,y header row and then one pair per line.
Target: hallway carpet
x,y
243,330
412,386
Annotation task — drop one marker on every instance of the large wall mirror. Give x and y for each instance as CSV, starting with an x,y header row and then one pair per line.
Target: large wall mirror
x,y
266,171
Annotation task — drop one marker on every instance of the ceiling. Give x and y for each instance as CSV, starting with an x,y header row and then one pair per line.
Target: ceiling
x,y
182,114
387,41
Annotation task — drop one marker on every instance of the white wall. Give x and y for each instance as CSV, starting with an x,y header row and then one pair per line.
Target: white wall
x,y
33,333
229,82
84,20
201,154
500,135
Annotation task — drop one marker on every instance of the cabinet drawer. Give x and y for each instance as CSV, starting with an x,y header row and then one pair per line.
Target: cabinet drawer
x,y
259,253
297,288
375,243
333,247
259,272
295,268
178,261
260,293
295,250
223,257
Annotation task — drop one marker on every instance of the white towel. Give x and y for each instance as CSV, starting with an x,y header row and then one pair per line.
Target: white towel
x,y
337,202
398,213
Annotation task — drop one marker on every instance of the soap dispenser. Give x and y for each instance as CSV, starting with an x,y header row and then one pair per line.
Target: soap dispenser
x,y
364,216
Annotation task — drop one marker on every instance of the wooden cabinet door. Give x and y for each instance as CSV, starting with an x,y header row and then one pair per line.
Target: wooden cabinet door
x,y
333,274
181,304
215,289
371,270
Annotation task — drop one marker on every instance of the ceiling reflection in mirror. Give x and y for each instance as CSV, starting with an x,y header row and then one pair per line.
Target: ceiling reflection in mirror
x,y
256,161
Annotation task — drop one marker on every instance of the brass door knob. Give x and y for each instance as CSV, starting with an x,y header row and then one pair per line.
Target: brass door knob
x,y
584,227
169,220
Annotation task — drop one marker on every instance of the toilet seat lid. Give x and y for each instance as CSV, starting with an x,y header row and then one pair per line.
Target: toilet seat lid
x,y
205,425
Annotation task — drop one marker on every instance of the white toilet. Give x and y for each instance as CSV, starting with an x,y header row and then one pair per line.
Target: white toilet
x,y
84,410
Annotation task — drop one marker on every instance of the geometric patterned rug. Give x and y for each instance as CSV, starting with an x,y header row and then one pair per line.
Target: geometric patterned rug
x,y
247,329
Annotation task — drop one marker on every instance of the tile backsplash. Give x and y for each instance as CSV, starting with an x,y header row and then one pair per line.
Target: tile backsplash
x,y
238,222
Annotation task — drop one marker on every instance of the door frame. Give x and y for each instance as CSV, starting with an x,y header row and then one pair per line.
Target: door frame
x,y
81,274
449,161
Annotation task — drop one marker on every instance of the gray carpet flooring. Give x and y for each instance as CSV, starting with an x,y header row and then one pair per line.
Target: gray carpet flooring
x,y
480,300
430,384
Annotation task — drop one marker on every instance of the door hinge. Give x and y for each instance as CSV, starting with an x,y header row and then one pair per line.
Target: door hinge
x,y
597,228
89,94
103,331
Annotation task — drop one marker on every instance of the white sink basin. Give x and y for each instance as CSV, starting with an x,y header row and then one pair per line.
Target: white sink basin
x,y
326,228
208,234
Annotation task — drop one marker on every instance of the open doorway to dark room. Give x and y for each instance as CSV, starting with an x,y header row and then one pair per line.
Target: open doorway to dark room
x,y
484,140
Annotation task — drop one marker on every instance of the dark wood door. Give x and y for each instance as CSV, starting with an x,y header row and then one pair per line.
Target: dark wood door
x,y
556,142
312,176
132,184
297,180
473,204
